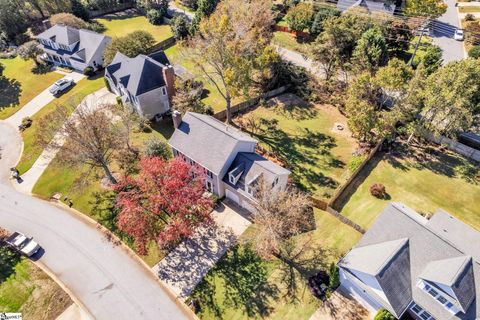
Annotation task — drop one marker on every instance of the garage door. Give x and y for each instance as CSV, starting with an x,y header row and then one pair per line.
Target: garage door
x,y
232,196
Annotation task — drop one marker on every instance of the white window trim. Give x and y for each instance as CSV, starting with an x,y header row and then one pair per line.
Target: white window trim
x,y
428,289
421,312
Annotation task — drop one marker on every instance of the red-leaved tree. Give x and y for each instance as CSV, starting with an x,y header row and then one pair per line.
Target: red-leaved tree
x,y
165,202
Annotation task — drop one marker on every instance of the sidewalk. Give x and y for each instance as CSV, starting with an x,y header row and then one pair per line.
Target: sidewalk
x,y
30,177
187,264
37,103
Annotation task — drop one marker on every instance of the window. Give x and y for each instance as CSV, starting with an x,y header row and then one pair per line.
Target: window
x,y
164,91
209,174
175,152
249,190
436,294
231,178
420,312
209,186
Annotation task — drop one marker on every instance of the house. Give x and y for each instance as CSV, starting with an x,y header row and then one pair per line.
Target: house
x,y
227,156
405,263
75,48
372,6
145,82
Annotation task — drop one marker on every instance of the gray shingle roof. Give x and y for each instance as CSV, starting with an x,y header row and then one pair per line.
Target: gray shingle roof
x,y
442,238
384,6
61,34
207,141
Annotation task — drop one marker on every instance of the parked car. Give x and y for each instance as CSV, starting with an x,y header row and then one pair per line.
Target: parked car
x,y
61,85
23,244
459,35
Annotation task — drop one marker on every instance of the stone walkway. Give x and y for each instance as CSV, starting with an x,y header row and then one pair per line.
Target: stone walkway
x,y
187,264
37,103
30,177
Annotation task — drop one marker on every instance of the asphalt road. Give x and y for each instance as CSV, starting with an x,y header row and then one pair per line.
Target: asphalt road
x,y
107,281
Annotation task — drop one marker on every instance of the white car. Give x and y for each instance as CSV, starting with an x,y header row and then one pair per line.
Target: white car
x,y
22,243
458,35
61,85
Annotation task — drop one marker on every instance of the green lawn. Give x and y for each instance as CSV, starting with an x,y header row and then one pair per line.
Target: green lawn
x,y
301,137
176,55
443,181
32,150
242,286
289,41
465,9
27,85
121,24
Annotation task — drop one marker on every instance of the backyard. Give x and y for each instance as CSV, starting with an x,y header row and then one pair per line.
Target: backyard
x,y
23,85
122,23
305,139
25,288
243,286
424,180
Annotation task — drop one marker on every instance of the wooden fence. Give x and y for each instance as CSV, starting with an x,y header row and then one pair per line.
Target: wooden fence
x,y
162,45
222,115
456,146
298,34
119,7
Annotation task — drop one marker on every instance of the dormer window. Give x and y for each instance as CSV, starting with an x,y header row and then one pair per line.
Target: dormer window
x,y
437,295
235,174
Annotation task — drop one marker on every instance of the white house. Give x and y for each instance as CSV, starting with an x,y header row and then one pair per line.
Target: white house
x,y
75,48
227,156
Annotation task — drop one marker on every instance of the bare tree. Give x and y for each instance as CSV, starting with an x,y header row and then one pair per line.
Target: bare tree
x,y
87,136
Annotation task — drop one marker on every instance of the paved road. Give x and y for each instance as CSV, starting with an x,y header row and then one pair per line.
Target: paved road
x,y
443,29
173,9
105,278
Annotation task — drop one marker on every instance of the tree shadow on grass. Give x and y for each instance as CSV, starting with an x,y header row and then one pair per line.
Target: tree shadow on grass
x,y
41,68
292,106
8,261
10,90
243,285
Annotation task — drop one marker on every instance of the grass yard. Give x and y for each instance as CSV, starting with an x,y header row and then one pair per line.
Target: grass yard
x,y
122,23
80,183
212,97
23,86
425,184
289,41
303,138
242,286
466,9
31,150
30,291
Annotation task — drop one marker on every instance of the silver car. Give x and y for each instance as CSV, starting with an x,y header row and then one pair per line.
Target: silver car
x,y
459,35
23,244
61,85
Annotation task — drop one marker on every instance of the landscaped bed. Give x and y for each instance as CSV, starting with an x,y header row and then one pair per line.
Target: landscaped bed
x,y
29,84
424,182
306,140
122,23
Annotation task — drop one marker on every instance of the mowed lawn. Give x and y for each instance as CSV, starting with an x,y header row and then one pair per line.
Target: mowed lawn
x,y
425,184
29,84
303,138
241,286
122,23
31,149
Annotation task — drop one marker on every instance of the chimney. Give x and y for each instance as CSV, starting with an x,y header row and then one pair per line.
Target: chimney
x,y
169,76
177,119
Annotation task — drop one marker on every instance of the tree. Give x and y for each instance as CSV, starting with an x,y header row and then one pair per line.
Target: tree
x,y
474,52
321,16
131,45
164,203
300,17
472,30
157,148
383,314
371,51
206,7
398,35
451,97
30,50
188,96
432,59
2,68
155,16
231,48
79,10
425,8
180,26
325,53
278,215
393,80
87,137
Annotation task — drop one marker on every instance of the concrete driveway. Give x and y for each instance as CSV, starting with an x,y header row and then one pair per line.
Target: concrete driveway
x,y
184,267
102,277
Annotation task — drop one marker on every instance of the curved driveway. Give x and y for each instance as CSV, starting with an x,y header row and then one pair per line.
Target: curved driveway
x,y
106,279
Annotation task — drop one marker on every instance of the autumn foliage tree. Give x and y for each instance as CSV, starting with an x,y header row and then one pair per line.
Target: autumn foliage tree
x,y
165,202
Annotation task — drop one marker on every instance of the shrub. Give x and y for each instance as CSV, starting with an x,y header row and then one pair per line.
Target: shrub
x,y
155,16
27,122
334,274
131,45
378,190
107,84
355,162
209,110
157,148
119,101
21,39
471,32
383,314
474,52
469,17
88,71
143,126
300,17
68,19
180,26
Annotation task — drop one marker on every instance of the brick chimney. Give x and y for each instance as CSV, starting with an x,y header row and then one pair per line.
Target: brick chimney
x,y
177,119
169,76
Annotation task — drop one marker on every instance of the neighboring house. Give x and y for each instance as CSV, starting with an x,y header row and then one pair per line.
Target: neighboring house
x,y
78,49
227,155
145,82
380,6
408,264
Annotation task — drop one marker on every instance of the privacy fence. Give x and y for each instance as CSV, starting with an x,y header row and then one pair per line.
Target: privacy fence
x,y
456,146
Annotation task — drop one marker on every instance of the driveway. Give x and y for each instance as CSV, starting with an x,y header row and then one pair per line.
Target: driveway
x,y
37,103
29,178
442,32
103,278
173,9
188,263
